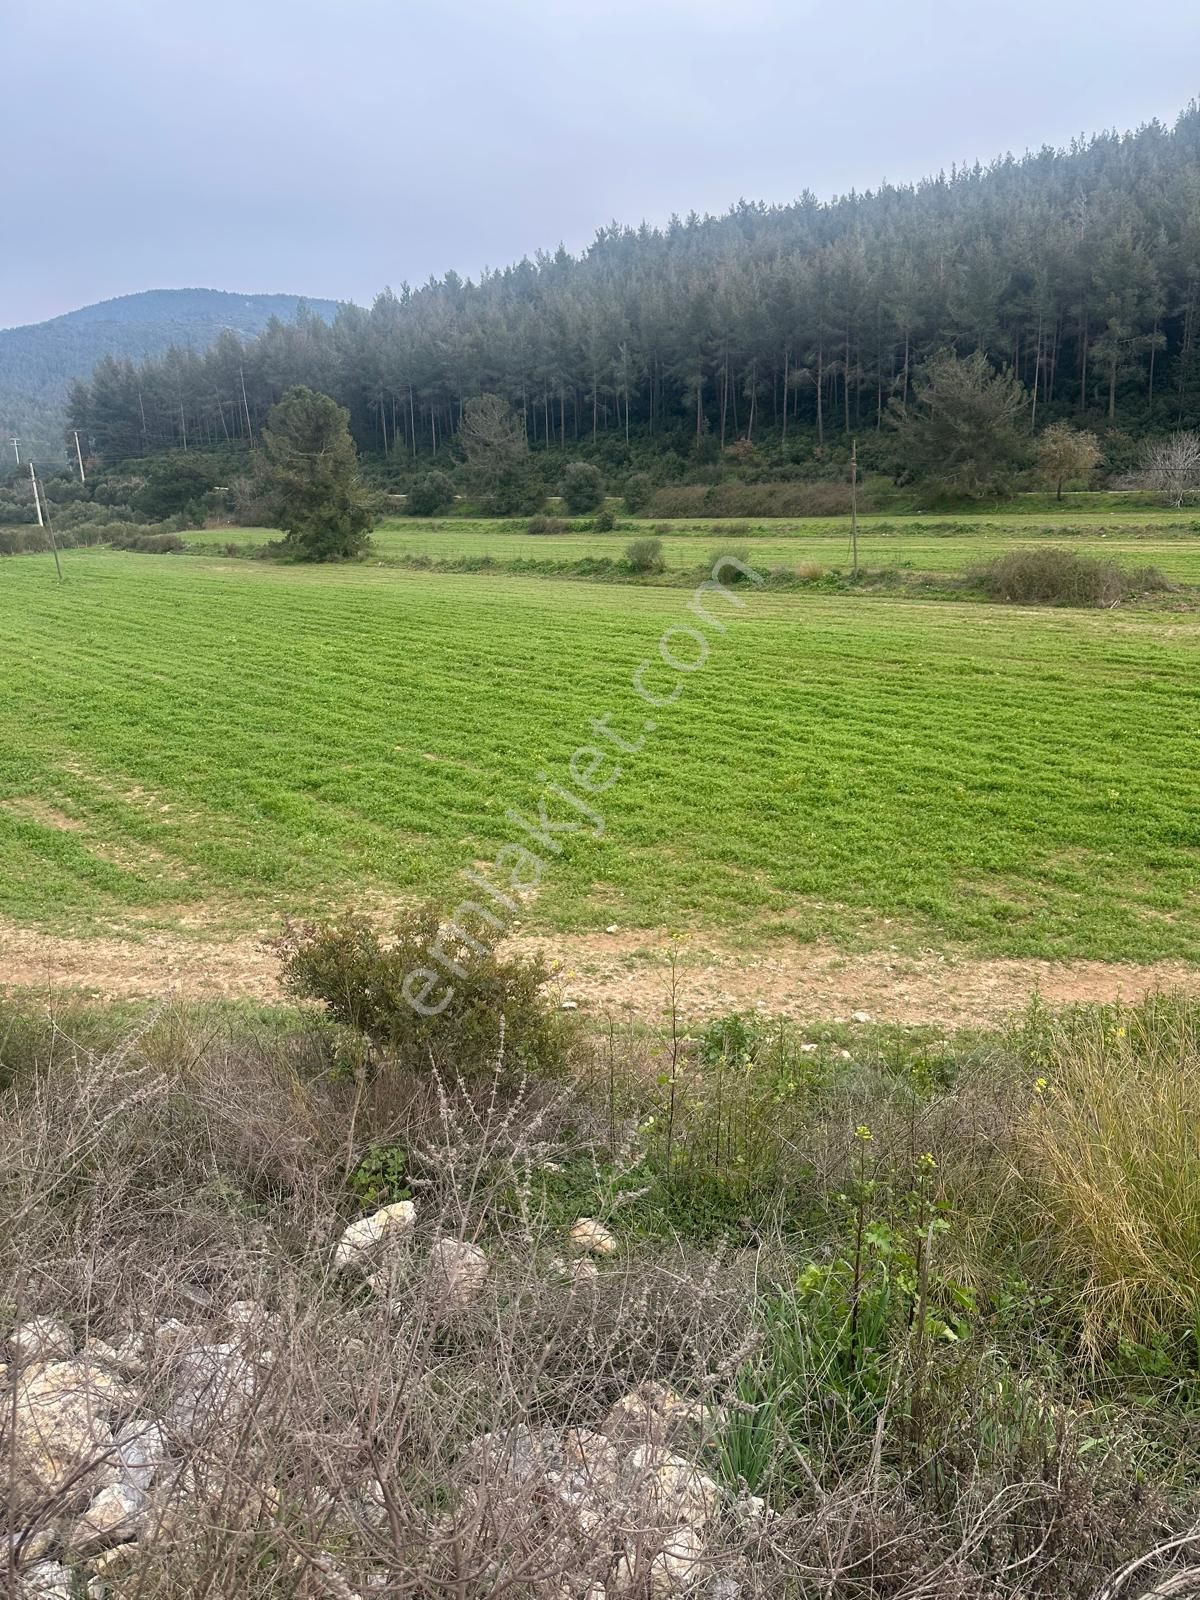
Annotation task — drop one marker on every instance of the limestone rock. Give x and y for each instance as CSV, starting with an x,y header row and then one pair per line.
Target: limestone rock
x,y
141,1451
61,1425
460,1270
365,1236
112,1518
215,1385
675,1490
46,1580
40,1339
590,1237
124,1356
654,1413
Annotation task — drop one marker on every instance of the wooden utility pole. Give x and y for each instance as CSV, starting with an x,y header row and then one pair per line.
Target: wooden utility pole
x,y
246,404
48,525
79,455
854,502
37,503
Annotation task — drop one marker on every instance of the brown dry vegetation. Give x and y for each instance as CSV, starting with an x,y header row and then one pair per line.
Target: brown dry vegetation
x,y
156,1178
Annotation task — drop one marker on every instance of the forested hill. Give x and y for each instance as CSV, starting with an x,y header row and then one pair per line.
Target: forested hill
x,y
1078,268
39,361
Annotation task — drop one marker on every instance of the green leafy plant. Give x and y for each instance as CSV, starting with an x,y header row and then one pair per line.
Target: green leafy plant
x,y
472,1004
380,1178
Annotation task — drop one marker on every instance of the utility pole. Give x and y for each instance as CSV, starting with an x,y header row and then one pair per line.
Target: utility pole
x,y
37,503
16,444
854,502
246,405
79,456
47,524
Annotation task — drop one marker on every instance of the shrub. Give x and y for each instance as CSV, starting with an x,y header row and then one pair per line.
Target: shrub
x,y
1058,577
754,500
361,981
724,552
545,525
604,521
639,487
582,487
430,496
149,544
645,555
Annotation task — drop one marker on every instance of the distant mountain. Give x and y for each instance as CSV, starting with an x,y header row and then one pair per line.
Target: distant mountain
x,y
38,362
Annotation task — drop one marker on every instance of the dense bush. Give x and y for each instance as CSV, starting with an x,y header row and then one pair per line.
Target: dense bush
x,y
179,479
150,544
754,500
542,525
1058,577
582,487
604,521
645,555
430,496
362,982
637,492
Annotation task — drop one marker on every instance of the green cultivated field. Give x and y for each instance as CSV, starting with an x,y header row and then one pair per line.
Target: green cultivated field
x,y
1167,540
186,739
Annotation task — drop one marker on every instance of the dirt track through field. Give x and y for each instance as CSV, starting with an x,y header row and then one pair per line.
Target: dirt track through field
x,y
623,973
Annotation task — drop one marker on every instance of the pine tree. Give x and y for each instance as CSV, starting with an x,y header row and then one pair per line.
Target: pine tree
x,y
307,472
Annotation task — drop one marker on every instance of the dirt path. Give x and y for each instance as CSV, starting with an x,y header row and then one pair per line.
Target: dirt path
x,y
622,972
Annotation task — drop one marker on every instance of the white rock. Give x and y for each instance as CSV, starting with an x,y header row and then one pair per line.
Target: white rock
x,y
675,1489
40,1339
46,1580
724,1586
860,1016
31,1545
580,1269
654,1413
612,928
172,1335
215,1387
460,1270
125,1357
364,1237
676,1564
247,1314
112,1518
141,1452
807,1049
61,1426
679,1563
569,1005
590,1237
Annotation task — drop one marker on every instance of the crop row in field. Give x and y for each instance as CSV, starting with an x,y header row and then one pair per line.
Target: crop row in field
x,y
188,733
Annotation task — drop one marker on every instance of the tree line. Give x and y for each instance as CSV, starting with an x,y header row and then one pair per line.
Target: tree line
x,y
1077,271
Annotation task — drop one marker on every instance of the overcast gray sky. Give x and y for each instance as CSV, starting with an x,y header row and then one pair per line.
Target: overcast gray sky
x,y
328,147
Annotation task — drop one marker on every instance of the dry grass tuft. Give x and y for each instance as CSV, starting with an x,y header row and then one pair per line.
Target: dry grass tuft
x,y
1114,1136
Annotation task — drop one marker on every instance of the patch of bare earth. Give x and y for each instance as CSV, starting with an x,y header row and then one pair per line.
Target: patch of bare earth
x,y
622,973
